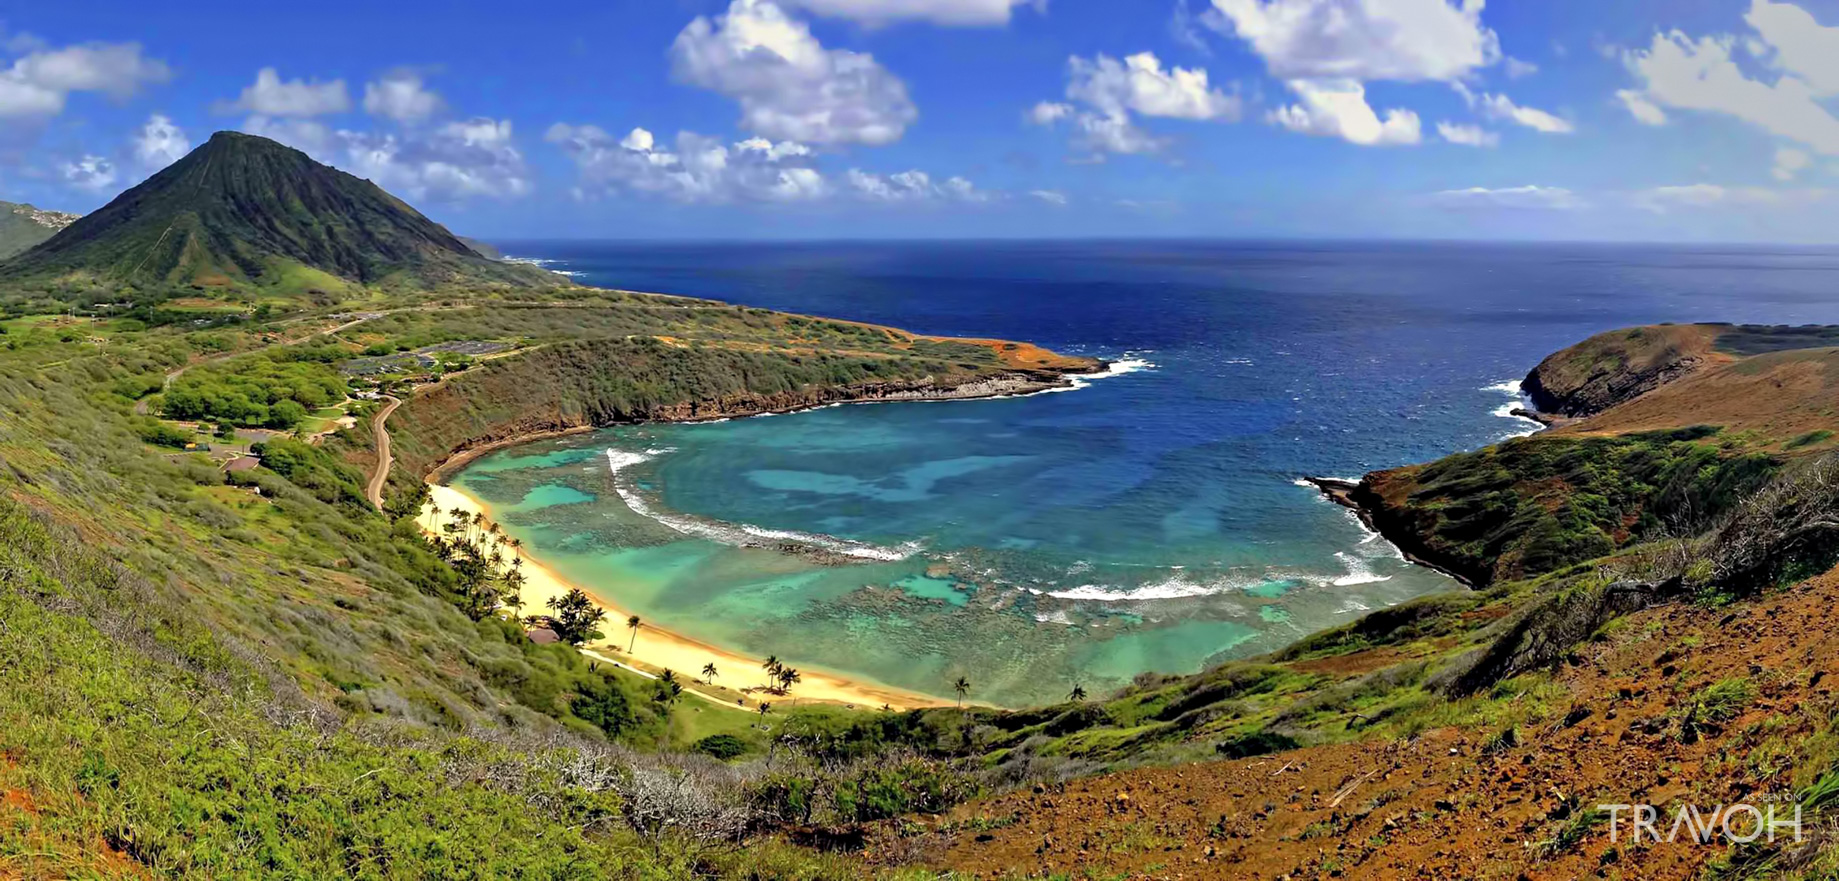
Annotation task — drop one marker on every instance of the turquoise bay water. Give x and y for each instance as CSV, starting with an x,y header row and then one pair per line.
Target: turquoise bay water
x,y
1149,521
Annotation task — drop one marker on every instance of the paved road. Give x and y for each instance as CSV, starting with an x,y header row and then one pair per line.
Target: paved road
x,y
375,490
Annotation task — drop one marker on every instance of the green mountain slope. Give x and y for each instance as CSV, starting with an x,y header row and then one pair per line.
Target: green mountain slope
x,y
22,226
245,212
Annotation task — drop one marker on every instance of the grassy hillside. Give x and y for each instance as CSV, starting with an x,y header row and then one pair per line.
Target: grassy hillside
x,y
243,213
23,226
219,659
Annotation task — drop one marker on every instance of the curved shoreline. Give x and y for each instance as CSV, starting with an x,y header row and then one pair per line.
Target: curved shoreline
x,y
1014,385
659,648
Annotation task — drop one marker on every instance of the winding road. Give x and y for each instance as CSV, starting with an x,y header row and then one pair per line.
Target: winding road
x,y
375,491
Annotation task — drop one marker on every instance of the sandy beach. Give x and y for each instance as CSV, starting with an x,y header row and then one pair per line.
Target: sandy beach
x,y
659,649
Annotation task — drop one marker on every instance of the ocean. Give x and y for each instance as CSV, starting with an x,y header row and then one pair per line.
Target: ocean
x,y
1150,520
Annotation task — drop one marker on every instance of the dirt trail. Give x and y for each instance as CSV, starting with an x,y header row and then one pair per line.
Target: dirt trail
x,y
374,491
1455,802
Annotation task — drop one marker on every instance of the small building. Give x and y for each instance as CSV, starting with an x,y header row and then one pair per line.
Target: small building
x,y
542,636
243,463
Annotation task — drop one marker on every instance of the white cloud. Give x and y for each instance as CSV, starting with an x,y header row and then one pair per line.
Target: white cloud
x,y
1338,108
789,86
1049,112
39,83
1800,44
911,186
309,136
1405,40
1702,74
1467,135
272,97
1502,107
1664,200
1326,50
93,173
1051,197
1139,85
947,12
1643,110
1790,162
457,160
159,143
1111,93
401,96
699,169
1533,198
1184,26
1517,69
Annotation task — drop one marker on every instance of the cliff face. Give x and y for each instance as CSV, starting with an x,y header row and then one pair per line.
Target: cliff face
x,y
1619,366
594,383
1662,430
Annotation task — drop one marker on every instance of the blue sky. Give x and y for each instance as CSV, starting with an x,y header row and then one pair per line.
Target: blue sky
x,y
1558,119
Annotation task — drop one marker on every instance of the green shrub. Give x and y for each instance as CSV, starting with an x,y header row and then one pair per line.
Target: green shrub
x,y
721,746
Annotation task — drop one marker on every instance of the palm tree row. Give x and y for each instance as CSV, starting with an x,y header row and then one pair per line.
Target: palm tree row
x,y
777,672
475,550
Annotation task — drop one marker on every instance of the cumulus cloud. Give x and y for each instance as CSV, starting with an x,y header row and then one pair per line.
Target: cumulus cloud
x,y
1801,70
39,83
911,186
696,169
401,96
1467,135
457,160
946,12
159,143
1051,197
1326,50
1404,40
1138,84
788,85
1110,94
94,173
1517,69
1533,198
1790,162
1338,108
309,136
460,159
1794,41
300,99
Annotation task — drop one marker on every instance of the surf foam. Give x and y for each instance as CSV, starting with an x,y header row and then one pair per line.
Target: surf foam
x,y
738,534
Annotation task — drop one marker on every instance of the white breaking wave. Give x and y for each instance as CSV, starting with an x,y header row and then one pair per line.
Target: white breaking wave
x,y
1172,589
1358,571
1518,400
739,534
540,263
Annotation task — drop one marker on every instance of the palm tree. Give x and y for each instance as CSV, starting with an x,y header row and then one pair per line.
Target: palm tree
x,y
772,667
764,709
962,687
633,624
788,676
1078,693
708,672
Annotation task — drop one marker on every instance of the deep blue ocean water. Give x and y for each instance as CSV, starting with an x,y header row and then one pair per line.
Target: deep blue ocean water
x,y
1150,520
